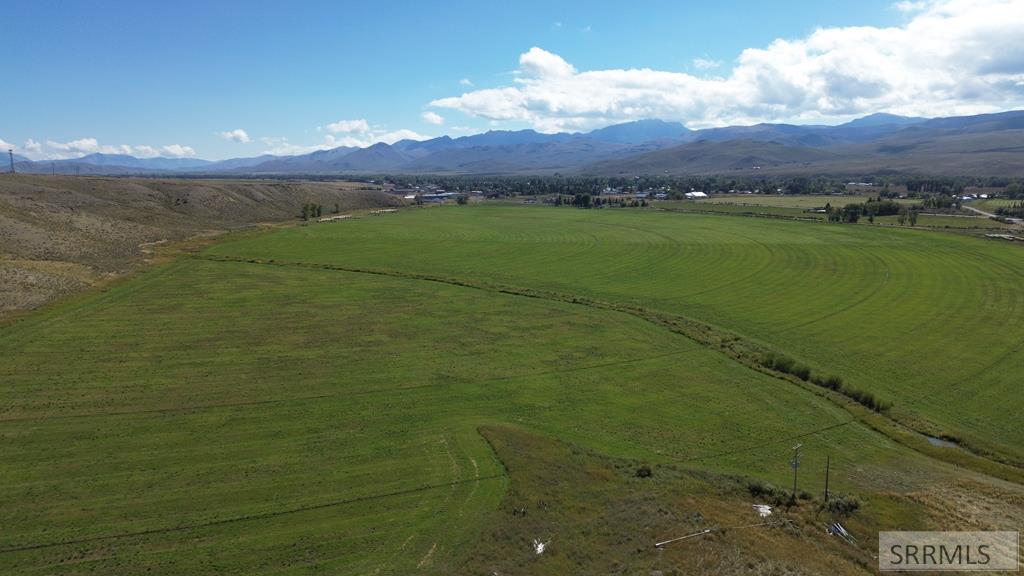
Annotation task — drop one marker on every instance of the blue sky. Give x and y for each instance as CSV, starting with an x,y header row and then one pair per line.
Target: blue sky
x,y
174,77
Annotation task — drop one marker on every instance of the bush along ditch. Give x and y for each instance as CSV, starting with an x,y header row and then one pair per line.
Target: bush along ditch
x,y
786,365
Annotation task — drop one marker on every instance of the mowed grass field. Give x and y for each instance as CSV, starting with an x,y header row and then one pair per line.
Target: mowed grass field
x,y
931,322
240,417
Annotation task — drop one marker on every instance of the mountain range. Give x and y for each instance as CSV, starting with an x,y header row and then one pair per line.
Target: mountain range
x,y
987,144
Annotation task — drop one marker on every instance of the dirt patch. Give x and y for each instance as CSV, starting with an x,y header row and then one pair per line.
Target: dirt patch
x,y
597,515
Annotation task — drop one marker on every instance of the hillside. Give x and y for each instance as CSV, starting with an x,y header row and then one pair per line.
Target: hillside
x,y
986,145
60,234
709,157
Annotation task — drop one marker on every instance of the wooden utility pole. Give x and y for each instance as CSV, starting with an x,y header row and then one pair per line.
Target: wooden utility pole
x,y
10,154
828,461
795,463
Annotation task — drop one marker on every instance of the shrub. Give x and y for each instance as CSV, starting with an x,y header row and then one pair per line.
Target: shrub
x,y
644,472
866,399
802,372
767,493
843,504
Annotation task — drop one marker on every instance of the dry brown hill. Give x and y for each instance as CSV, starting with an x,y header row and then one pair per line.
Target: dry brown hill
x,y
59,234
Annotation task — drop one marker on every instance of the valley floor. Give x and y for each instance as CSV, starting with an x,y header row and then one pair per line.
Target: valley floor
x,y
402,394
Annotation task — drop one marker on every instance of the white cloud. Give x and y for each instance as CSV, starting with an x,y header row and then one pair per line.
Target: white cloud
x,y
178,151
145,152
5,145
347,126
280,146
432,118
403,134
56,150
706,63
80,146
911,6
466,82
236,135
953,57
557,24
544,64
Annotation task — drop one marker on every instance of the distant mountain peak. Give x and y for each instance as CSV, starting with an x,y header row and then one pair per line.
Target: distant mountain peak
x,y
640,131
883,119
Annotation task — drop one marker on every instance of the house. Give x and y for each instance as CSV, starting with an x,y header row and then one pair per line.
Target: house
x,y
438,198
695,195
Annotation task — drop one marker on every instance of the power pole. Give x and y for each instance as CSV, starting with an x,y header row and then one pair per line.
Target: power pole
x,y
795,463
10,153
828,459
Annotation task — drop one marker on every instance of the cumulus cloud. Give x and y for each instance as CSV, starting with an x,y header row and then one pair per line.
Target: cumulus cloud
x,y
951,57
145,151
280,146
178,151
432,118
349,126
5,145
543,64
706,63
84,146
466,82
911,6
56,150
372,136
236,135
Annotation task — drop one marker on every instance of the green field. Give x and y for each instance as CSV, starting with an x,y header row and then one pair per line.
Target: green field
x,y
990,204
286,415
981,223
726,208
803,201
931,322
797,206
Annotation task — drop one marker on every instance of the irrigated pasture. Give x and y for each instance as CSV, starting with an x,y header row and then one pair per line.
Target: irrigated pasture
x,y
929,321
235,417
